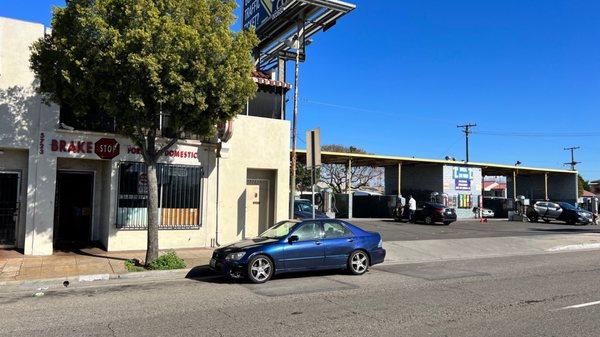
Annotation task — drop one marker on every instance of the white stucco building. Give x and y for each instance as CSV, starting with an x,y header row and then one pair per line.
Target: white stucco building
x,y
61,186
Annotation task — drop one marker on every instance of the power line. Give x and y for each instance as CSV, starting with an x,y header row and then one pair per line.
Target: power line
x,y
467,130
379,112
538,134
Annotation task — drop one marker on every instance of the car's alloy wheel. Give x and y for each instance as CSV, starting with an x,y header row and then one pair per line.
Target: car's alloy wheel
x,y
428,220
260,269
358,262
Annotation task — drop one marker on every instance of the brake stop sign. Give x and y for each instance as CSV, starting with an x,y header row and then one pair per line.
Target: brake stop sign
x,y
107,148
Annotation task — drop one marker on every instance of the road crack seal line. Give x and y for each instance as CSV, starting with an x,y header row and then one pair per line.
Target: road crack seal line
x,y
221,311
111,330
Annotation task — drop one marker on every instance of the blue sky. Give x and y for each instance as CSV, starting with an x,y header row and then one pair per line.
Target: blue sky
x,y
396,77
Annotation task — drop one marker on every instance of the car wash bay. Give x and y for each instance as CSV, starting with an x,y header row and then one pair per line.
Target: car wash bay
x,y
456,184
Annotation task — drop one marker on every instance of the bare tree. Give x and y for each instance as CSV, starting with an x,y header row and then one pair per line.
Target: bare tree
x,y
336,175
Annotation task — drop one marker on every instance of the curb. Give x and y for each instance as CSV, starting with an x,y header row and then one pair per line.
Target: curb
x,y
90,278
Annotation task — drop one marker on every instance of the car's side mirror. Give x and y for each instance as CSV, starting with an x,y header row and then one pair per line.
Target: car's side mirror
x,y
293,238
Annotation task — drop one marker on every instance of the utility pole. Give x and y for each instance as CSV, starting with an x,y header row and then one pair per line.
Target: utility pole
x,y
573,163
299,44
467,130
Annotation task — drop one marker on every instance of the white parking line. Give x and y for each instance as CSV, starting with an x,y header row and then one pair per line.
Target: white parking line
x,y
581,305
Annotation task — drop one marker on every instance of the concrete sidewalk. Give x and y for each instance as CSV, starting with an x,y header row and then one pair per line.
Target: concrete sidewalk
x,y
402,252
84,264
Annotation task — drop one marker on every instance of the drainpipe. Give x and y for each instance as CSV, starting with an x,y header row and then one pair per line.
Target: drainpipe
x,y
218,160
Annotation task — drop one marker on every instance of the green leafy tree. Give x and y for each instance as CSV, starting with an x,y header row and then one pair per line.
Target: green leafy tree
x,y
582,185
134,60
303,179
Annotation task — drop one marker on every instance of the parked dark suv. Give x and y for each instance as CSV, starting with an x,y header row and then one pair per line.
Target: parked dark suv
x,y
429,213
303,210
560,211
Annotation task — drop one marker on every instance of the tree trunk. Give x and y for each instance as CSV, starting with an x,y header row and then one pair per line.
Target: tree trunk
x,y
152,251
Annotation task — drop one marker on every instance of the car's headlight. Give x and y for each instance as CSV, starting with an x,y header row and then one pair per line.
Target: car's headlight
x,y
235,256
380,243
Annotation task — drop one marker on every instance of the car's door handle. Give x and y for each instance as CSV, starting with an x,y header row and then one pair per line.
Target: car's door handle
x,y
318,243
350,240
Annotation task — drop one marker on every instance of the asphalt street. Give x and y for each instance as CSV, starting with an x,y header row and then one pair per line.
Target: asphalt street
x,y
400,231
506,296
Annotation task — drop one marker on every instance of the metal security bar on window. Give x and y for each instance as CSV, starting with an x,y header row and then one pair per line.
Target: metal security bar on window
x,y
179,196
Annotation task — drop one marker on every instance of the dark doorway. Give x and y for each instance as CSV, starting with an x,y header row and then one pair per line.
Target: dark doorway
x,y
9,206
73,209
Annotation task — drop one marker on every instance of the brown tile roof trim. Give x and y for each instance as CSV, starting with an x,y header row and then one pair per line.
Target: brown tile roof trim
x,y
262,78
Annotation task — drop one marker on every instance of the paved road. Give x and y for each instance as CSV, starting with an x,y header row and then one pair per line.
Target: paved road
x,y
511,296
396,231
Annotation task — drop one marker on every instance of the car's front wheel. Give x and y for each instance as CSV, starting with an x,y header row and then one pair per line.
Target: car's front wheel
x,y
260,269
358,262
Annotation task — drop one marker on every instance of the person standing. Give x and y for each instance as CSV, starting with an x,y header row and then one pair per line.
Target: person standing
x,y
412,208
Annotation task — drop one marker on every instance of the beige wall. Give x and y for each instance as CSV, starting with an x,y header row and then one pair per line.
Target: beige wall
x,y
14,61
257,143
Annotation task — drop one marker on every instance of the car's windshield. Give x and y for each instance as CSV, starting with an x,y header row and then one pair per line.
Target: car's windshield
x,y
304,206
568,206
278,231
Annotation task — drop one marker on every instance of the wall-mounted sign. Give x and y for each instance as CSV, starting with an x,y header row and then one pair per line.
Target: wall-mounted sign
x,y
42,141
142,187
258,12
462,173
462,184
107,148
170,153
462,178
70,146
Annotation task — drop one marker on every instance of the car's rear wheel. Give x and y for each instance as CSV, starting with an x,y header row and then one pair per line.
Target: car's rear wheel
x,y
260,269
547,220
533,217
358,262
428,220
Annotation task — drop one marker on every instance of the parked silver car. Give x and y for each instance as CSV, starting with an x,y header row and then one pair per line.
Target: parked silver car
x,y
561,211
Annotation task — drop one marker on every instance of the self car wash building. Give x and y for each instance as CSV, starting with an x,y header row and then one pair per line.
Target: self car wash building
x,y
64,181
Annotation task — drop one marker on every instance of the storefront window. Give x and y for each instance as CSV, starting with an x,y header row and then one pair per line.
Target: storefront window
x,y
179,195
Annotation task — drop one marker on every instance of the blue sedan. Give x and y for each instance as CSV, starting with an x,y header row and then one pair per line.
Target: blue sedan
x,y
291,246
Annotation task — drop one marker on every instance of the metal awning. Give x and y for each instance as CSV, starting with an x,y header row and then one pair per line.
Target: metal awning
x,y
488,169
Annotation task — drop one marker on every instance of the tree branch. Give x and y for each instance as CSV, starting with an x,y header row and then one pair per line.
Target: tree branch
x,y
163,149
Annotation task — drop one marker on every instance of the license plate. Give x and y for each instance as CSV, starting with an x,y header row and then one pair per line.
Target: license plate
x,y
213,263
